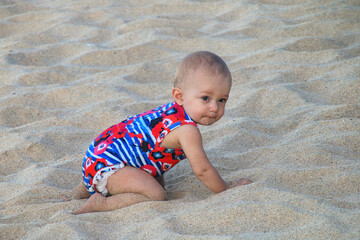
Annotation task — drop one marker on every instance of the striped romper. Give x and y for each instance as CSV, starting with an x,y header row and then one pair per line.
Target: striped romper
x,y
135,142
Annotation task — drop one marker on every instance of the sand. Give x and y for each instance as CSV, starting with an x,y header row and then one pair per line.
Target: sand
x,y
70,69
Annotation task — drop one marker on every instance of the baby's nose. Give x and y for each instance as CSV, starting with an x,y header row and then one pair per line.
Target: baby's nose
x,y
214,107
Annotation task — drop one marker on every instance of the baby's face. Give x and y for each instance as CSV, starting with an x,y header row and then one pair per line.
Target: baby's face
x,y
205,95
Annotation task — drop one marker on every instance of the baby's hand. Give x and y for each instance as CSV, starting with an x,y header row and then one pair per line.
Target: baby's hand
x,y
239,182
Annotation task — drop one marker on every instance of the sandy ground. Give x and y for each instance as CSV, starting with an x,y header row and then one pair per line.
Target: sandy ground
x,y
70,69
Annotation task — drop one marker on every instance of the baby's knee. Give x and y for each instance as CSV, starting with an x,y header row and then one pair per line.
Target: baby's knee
x,y
158,195
161,195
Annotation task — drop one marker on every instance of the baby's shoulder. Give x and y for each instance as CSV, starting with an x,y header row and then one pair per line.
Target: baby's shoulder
x,y
172,139
187,131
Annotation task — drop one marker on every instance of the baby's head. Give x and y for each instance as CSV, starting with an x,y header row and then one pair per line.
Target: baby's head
x,y
202,59
202,86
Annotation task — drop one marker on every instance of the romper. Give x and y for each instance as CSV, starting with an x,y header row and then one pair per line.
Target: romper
x,y
134,142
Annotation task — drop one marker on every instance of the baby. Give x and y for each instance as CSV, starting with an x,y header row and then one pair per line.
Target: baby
x,y
125,164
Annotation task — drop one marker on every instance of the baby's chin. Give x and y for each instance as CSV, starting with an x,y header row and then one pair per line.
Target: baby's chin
x,y
207,122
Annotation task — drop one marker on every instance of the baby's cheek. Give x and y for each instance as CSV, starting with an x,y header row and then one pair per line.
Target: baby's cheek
x,y
220,114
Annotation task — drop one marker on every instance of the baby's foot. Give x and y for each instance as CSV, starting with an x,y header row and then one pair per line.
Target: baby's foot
x,y
93,204
66,198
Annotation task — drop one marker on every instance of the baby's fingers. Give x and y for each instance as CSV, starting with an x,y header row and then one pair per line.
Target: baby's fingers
x,y
239,182
243,181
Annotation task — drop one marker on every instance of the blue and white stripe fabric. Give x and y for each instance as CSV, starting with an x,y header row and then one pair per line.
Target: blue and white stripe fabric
x,y
136,142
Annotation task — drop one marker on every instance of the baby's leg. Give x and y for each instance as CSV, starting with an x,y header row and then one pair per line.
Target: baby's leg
x,y
80,191
161,181
127,186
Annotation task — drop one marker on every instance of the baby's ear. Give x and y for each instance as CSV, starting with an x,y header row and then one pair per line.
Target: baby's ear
x,y
178,95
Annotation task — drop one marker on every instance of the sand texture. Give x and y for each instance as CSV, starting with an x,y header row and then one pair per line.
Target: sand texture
x,y
69,69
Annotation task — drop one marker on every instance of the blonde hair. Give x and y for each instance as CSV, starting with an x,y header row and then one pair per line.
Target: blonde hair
x,y
193,61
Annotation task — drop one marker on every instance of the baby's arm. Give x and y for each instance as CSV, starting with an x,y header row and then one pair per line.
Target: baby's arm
x,y
191,142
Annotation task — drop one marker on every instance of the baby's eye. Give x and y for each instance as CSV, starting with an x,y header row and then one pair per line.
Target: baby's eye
x,y
223,100
205,98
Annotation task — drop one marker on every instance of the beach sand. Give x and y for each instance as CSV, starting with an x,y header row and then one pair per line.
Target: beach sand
x,y
70,69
